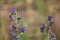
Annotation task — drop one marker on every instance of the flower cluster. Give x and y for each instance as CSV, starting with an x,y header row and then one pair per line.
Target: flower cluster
x,y
50,21
48,29
16,29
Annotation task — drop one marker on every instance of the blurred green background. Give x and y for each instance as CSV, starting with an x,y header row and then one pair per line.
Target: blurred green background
x,y
35,12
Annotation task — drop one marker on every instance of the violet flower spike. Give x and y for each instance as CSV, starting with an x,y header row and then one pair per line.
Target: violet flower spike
x,y
49,18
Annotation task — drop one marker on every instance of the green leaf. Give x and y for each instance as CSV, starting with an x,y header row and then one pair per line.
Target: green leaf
x,y
24,36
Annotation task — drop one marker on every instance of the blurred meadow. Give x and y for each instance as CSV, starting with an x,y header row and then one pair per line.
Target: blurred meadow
x,y
34,13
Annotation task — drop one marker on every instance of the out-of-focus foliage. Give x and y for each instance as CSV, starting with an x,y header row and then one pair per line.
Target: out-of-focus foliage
x,y
41,6
24,36
31,22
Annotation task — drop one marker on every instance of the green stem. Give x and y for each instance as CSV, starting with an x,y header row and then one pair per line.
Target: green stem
x,y
16,16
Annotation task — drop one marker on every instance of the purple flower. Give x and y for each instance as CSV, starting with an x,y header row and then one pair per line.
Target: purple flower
x,y
53,36
51,23
12,11
10,16
14,26
12,32
42,28
49,18
23,29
